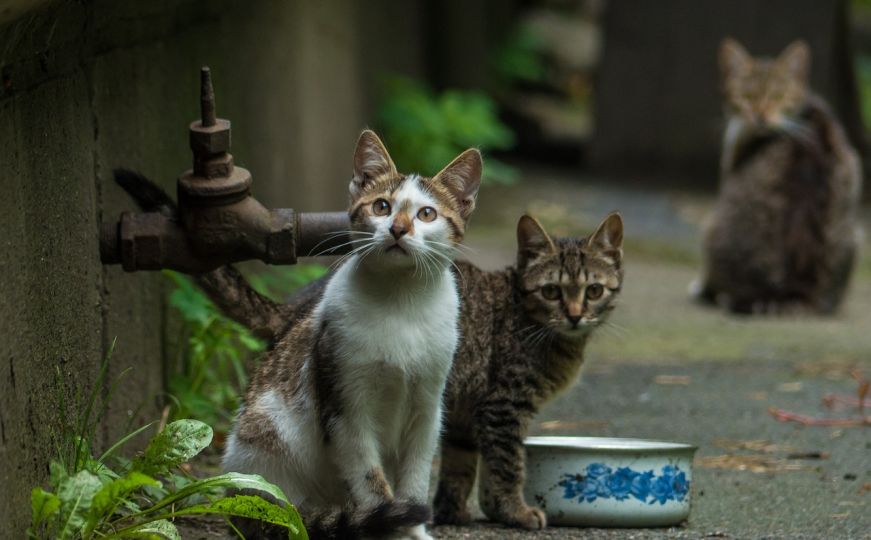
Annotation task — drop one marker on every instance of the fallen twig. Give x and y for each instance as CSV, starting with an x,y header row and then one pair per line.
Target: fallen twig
x,y
832,401
787,416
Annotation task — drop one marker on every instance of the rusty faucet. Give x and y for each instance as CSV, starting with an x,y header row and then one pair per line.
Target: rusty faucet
x,y
218,220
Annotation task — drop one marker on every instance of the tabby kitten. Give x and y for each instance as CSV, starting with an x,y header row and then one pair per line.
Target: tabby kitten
x,y
344,412
784,232
524,332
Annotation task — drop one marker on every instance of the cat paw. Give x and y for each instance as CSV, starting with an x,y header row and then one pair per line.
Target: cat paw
x,y
418,532
529,517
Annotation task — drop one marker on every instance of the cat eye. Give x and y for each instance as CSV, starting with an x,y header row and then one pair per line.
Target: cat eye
x,y
427,214
551,292
594,291
381,207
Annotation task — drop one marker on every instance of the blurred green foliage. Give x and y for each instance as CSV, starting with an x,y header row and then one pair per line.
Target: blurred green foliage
x,y
424,131
520,58
863,73
215,353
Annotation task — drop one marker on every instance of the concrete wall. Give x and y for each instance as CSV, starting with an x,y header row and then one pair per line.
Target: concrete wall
x,y
89,86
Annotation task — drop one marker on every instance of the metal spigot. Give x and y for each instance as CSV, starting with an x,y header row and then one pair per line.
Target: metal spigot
x,y
218,221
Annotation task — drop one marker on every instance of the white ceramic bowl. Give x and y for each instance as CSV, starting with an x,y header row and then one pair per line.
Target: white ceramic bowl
x,y
608,482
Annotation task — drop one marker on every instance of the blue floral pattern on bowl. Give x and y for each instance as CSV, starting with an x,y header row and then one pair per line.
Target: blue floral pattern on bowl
x,y
599,481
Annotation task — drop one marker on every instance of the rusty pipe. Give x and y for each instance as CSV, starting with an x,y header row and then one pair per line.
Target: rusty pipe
x,y
218,220
153,241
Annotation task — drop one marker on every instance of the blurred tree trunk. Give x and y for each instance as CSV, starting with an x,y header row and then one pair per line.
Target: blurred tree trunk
x,y
658,99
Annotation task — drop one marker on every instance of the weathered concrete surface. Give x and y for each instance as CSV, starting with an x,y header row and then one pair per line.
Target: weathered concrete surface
x,y
90,86
51,292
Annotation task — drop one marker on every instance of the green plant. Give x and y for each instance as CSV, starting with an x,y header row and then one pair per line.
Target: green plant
x,y
110,497
215,352
519,58
210,368
140,498
863,71
425,131
282,281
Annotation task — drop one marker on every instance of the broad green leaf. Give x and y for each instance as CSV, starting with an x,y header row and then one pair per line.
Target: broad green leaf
x,y
156,530
249,506
57,473
43,504
76,494
225,481
179,442
116,491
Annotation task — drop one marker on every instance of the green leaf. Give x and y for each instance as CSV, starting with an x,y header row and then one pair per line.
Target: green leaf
x,y
57,473
76,494
115,492
249,506
156,530
43,505
179,442
226,481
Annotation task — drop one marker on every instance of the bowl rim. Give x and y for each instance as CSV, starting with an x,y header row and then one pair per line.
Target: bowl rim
x,y
619,445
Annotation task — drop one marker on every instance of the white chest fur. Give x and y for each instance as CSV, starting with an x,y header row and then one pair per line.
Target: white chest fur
x,y
413,330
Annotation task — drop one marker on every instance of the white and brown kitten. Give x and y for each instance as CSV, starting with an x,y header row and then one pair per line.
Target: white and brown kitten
x,y
346,408
344,412
785,231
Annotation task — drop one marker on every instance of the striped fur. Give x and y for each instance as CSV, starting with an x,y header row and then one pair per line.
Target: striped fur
x,y
784,233
532,349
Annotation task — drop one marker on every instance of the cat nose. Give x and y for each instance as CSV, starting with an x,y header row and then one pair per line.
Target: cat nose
x,y
398,231
574,319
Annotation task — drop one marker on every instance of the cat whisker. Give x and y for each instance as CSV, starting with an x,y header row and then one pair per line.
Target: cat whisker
x,y
351,253
447,259
452,247
435,264
330,236
333,248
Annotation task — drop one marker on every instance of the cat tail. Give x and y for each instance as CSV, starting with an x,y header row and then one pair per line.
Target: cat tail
x,y
226,286
384,520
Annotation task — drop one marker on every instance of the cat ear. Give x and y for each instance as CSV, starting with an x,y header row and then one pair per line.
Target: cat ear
x,y
371,160
462,178
532,240
608,237
796,59
733,58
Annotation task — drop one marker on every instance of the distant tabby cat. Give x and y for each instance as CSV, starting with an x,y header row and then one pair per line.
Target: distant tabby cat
x,y
524,332
784,233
